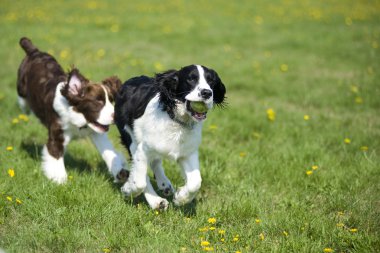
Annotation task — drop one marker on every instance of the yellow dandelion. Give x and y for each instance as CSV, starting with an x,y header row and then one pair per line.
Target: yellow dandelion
x,y
18,201
71,177
204,229
23,117
11,172
236,238
259,20
348,21
359,100
257,221
212,228
205,243
183,249
9,148
115,28
9,198
340,213
208,248
221,231
340,225
64,54
328,250
243,154
156,213
309,172
261,236
364,148
106,250
347,140
284,68
271,114
158,66
15,121
353,230
256,135
101,53
285,233
222,240
213,127
314,167
238,251
306,117
354,89
211,220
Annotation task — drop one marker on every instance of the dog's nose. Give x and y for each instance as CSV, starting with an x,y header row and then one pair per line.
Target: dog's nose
x,y
206,93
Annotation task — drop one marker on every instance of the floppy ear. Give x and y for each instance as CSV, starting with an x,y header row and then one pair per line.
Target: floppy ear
x,y
219,91
73,90
75,84
167,85
113,83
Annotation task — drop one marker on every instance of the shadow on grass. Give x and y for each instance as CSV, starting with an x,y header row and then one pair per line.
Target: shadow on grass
x,y
82,166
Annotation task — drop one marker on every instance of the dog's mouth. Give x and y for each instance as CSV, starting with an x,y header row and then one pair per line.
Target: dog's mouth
x,y
99,128
198,110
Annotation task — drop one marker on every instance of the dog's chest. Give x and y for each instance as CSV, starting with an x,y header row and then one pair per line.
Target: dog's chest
x,y
165,137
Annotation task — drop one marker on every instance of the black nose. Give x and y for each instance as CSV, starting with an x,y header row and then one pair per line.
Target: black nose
x,y
206,93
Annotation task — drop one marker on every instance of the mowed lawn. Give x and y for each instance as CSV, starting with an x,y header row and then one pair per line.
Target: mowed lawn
x,y
292,163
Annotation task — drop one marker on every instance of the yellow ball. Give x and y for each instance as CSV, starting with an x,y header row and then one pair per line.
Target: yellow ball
x,y
199,107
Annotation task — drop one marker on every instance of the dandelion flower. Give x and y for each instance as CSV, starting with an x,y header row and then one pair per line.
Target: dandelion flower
x,y
347,140
9,198
271,114
309,172
11,172
306,117
156,213
106,250
18,201
340,213
221,231
158,66
328,250
205,243
15,121
340,225
236,238
243,154
204,229
238,251
284,68
257,221
354,89
353,230
64,54
213,127
100,53
261,236
208,248
285,233
23,117
9,148
314,167
212,228
211,220
115,28
222,240
359,100
364,148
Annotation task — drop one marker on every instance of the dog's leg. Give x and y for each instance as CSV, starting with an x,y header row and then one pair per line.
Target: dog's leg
x,y
23,105
154,201
114,160
136,183
163,182
52,154
192,176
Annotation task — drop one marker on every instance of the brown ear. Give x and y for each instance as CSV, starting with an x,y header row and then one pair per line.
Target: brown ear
x,y
74,87
113,83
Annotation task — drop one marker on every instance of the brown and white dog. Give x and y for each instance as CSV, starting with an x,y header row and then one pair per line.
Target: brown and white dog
x,y
69,106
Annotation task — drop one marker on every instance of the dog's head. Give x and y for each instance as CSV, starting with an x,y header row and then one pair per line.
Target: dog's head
x,y
196,87
92,100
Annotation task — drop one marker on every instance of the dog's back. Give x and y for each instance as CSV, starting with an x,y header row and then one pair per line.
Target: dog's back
x,y
38,77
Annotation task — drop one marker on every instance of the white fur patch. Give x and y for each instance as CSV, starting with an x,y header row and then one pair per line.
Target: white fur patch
x,y
53,168
107,112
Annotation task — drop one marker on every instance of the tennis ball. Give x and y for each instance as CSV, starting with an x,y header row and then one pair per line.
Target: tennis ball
x,y
199,107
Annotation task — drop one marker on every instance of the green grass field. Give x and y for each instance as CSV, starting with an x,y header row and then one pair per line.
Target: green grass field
x,y
291,165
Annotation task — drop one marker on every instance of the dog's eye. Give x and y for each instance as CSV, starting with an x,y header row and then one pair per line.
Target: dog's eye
x,y
192,78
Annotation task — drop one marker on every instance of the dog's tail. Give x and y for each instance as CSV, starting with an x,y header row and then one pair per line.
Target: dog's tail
x,y
28,46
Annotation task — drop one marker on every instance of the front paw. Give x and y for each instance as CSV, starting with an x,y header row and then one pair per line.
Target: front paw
x,y
159,204
183,196
122,176
131,189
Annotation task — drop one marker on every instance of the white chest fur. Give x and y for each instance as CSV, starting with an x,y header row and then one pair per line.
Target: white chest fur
x,y
162,136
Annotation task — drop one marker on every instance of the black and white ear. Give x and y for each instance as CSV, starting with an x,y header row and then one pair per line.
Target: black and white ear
x,y
219,91
75,84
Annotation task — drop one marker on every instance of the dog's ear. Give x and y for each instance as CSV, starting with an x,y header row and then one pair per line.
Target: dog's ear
x,y
75,82
219,90
113,83
167,85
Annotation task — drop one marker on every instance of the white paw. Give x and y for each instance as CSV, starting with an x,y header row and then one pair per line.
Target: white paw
x,y
130,188
183,196
57,175
165,186
159,204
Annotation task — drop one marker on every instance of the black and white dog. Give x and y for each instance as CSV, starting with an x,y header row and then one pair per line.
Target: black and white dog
x,y
156,119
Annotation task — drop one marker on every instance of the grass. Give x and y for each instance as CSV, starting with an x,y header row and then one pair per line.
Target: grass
x,y
298,58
